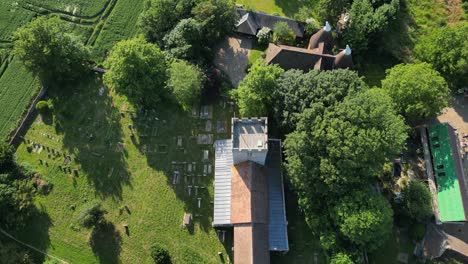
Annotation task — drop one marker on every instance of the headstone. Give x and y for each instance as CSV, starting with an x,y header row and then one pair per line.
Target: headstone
x,y
206,154
189,188
199,202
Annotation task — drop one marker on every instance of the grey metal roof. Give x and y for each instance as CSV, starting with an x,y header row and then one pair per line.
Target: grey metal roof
x,y
249,133
277,226
222,182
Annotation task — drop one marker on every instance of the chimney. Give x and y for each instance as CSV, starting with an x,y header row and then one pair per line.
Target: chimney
x,y
327,27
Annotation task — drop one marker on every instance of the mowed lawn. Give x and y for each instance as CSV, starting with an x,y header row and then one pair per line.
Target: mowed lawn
x,y
119,171
287,8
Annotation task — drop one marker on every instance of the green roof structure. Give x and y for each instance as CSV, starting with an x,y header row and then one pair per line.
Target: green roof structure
x,y
449,194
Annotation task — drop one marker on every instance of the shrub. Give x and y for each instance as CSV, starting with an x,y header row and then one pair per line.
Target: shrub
x,y
160,255
91,215
311,25
283,34
417,231
42,107
264,36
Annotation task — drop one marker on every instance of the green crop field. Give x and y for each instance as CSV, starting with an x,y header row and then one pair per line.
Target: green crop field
x,y
78,8
17,87
12,16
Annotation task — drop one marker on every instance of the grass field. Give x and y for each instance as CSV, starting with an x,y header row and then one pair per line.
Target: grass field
x,y
17,87
287,8
76,7
11,17
142,180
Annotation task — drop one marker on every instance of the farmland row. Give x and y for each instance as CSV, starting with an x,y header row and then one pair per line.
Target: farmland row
x,y
17,88
79,8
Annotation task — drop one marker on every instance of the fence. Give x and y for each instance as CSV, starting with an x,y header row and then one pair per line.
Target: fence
x,y
28,117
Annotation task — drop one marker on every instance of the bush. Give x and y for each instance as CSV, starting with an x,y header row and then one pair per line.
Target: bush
x,y
91,215
42,107
311,25
264,36
160,255
283,34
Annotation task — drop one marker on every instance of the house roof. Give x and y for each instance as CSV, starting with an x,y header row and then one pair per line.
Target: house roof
x,y
250,22
343,60
251,244
249,133
249,194
288,57
439,242
322,36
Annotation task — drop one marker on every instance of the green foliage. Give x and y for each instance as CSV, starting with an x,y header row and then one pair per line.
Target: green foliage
x,y
446,49
185,82
417,201
42,107
264,36
12,253
417,231
311,25
217,18
341,258
330,10
91,215
283,34
367,20
48,51
185,40
418,91
160,255
315,90
137,69
7,163
255,92
160,16
364,219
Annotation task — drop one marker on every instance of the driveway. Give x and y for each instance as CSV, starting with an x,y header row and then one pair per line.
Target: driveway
x,y
232,57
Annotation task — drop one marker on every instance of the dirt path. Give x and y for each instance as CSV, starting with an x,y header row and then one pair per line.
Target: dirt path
x,y
32,247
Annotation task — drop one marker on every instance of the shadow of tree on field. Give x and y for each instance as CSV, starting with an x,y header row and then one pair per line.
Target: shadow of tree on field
x,y
36,232
106,241
89,122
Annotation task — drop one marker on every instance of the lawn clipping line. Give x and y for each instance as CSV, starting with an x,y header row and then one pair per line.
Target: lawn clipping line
x,y
31,247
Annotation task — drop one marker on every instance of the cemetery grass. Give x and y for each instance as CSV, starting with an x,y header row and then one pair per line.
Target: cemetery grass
x,y
17,89
142,181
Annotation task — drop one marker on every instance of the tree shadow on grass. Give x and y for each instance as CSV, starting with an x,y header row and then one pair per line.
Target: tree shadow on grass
x,y
36,232
106,241
89,122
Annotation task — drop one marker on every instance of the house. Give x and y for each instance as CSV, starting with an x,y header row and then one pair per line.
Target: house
x,y
448,236
249,195
317,56
251,22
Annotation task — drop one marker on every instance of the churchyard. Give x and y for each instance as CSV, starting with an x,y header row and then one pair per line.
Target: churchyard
x,y
147,167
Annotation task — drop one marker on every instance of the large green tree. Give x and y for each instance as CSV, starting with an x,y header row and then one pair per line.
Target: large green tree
x,y
365,219
345,147
185,40
341,258
256,92
418,91
446,48
330,10
160,16
137,69
217,18
185,82
48,51
315,90
417,201
369,18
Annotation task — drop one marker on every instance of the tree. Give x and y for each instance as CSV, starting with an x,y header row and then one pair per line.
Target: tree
x,y
160,16
330,10
315,90
341,258
255,92
185,40
446,48
418,91
136,69
417,200
283,34
48,51
217,18
367,19
42,107
160,255
345,147
185,82
364,219
264,36
7,163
